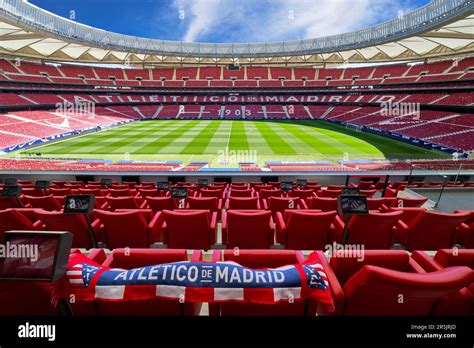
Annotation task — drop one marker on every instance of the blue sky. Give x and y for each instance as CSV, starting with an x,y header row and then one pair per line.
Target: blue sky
x,y
230,20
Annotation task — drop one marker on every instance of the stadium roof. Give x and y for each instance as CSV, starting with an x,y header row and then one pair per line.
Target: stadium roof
x,y
441,28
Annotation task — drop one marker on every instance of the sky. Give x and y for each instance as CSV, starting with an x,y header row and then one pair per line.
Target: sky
x,y
230,20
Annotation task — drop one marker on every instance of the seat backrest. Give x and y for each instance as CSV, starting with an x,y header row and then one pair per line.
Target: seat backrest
x,y
249,229
76,224
281,204
346,265
212,193
380,291
124,229
161,203
303,194
455,257
240,193
22,298
187,229
206,203
323,203
374,230
11,220
433,231
408,214
135,258
121,202
366,185
375,203
48,203
330,193
88,191
59,191
308,230
32,192
120,192
149,193
265,194
243,203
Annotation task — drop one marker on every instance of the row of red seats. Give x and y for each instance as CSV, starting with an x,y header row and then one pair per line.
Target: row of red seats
x,y
368,283
306,229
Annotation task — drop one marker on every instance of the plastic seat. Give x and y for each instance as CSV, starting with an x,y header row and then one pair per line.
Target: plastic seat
x,y
75,224
241,193
330,193
187,229
59,191
120,192
49,203
205,203
242,203
430,231
266,194
302,194
308,229
248,229
121,203
281,204
134,258
158,204
33,192
218,193
323,203
14,220
374,231
408,214
371,284
260,259
125,229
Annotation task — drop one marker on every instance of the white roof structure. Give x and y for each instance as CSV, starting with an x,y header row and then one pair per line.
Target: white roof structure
x,y
441,28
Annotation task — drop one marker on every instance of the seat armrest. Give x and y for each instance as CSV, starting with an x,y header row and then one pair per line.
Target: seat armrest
x,y
401,232
144,205
335,287
227,204
156,228
197,256
216,256
463,234
213,228
265,204
38,225
303,204
280,228
97,255
425,261
105,206
337,230
299,256
219,204
383,208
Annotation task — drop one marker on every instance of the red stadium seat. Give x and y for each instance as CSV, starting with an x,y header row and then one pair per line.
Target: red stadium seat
x,y
49,203
280,204
248,229
330,193
371,284
188,229
135,258
218,193
408,214
205,203
374,231
120,192
462,302
125,229
430,231
115,203
75,224
308,229
302,194
324,204
242,203
259,259
158,204
13,220
241,193
266,194
59,191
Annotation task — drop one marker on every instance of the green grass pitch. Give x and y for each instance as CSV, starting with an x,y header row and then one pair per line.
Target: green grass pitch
x,y
207,140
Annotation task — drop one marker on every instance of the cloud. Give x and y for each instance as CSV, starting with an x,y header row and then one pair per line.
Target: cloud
x,y
273,20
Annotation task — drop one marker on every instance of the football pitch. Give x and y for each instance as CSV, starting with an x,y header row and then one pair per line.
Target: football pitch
x,y
225,143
